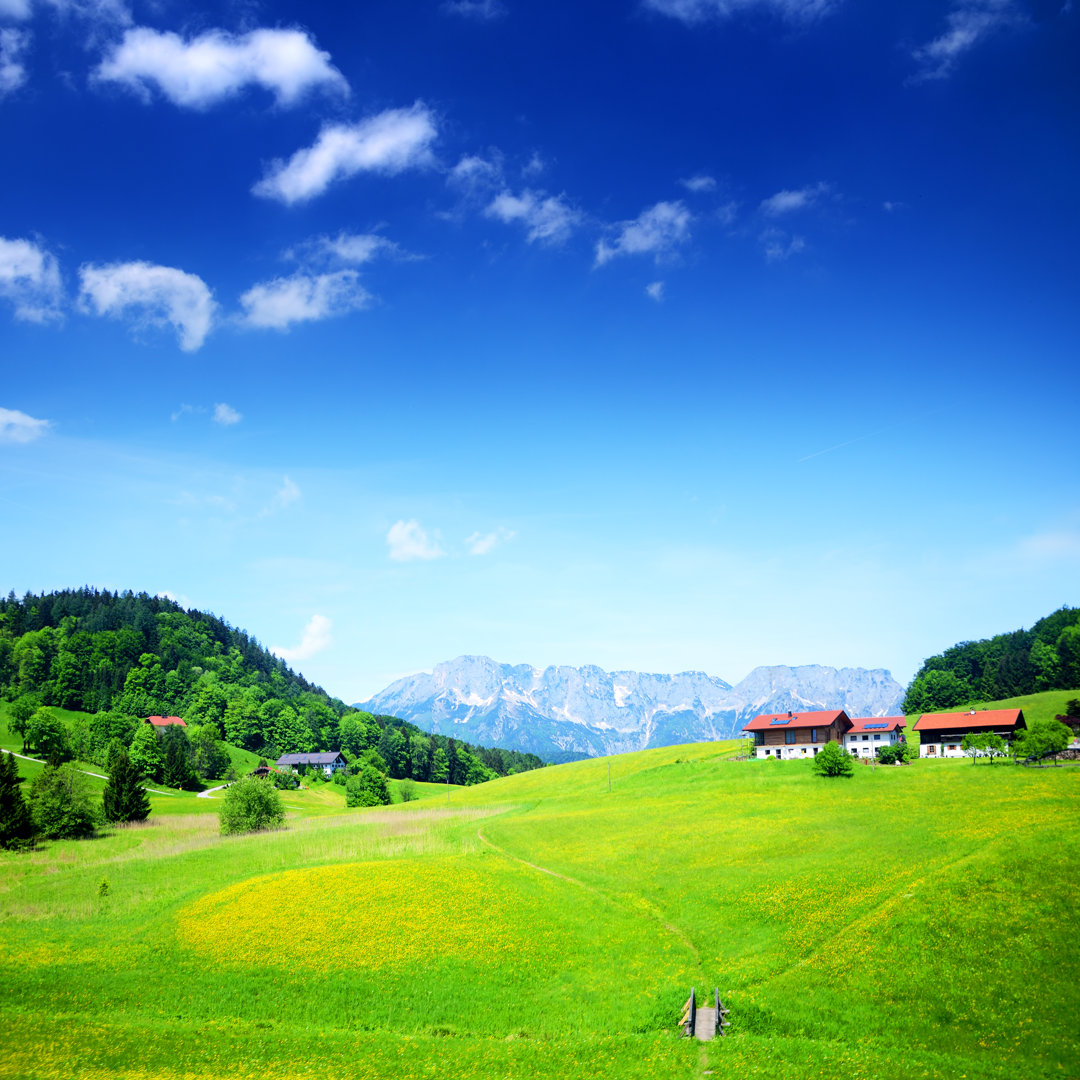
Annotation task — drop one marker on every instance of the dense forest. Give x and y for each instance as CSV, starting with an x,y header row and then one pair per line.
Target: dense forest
x,y
121,657
1046,657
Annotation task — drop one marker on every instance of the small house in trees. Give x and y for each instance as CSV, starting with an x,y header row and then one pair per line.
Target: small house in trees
x,y
796,735
329,761
942,733
165,721
869,733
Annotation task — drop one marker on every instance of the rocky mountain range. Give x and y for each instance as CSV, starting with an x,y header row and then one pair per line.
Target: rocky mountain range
x,y
562,712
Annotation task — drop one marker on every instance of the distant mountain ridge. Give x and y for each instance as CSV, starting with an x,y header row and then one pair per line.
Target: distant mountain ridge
x,y
564,712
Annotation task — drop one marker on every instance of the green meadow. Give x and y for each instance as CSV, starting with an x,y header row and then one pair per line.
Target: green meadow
x,y
908,922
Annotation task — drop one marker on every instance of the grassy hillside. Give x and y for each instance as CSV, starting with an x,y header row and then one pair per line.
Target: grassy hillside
x,y
906,922
1044,706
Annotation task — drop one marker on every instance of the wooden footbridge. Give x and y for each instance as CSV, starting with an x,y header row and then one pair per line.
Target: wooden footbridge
x,y
704,1022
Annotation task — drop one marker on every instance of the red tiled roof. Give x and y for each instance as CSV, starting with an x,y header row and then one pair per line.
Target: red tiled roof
x,y
165,721
876,723
957,721
782,721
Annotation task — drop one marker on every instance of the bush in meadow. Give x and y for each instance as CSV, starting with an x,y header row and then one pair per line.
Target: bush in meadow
x,y
834,760
250,805
367,788
60,804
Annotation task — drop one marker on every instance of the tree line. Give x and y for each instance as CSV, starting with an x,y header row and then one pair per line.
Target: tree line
x,y
118,657
1046,657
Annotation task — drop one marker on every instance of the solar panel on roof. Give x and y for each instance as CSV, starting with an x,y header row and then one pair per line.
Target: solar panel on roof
x,y
781,720
870,727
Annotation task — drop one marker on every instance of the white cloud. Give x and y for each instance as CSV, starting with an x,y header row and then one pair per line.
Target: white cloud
x,y
485,543
389,143
481,10
176,598
17,427
226,415
778,246
407,541
13,44
697,11
785,202
202,71
655,291
354,248
474,173
967,24
534,166
655,231
277,304
286,495
699,183
316,638
157,294
550,219
15,9
30,280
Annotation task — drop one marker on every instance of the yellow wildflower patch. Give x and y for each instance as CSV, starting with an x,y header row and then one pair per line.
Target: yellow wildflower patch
x,y
405,913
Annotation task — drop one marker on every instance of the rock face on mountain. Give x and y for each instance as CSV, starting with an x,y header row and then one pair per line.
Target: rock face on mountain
x,y
563,713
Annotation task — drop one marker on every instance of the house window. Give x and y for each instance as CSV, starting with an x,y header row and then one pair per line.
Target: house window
x,y
813,734
789,736
876,737
759,738
866,738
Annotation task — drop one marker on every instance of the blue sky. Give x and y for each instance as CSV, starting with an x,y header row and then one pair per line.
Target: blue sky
x,y
654,334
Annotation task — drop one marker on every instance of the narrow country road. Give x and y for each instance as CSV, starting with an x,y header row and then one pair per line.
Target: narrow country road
x,y
86,772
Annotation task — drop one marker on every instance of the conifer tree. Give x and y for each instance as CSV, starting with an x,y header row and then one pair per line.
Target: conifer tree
x,y
16,825
124,797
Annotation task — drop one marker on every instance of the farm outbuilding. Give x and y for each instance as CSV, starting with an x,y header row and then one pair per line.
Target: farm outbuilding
x,y
165,721
942,733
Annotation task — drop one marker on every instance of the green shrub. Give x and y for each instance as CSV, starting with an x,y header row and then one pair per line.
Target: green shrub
x,y
367,788
834,760
251,804
60,804
407,787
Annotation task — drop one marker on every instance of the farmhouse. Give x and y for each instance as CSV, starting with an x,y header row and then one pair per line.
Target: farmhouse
x,y
165,721
330,762
796,735
869,733
942,733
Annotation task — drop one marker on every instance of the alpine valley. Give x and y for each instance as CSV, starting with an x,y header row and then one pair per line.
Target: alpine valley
x,y
563,713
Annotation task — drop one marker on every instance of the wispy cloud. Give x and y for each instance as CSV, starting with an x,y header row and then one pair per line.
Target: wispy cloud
x,y
226,415
779,245
548,219
14,44
30,280
315,639
656,231
969,23
480,10
698,11
408,541
303,297
152,295
284,497
699,184
485,543
388,143
474,174
18,427
785,202
353,249
655,291
216,65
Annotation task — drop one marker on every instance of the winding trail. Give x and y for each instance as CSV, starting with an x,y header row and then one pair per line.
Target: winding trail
x,y
669,927
85,772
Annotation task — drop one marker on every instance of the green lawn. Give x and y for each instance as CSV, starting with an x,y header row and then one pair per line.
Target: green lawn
x,y
908,922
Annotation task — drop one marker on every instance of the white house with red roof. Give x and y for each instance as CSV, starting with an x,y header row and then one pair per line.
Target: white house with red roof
x,y
868,733
941,734
796,735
